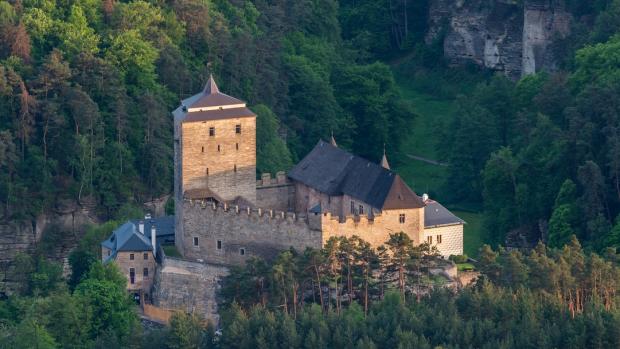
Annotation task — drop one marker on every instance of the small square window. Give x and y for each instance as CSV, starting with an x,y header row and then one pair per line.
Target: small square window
x,y
131,256
195,241
146,256
242,251
219,244
238,129
145,272
401,218
211,131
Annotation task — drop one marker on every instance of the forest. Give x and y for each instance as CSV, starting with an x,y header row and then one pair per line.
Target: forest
x,y
86,90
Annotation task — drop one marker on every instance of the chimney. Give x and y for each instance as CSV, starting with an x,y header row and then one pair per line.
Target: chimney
x,y
153,238
141,227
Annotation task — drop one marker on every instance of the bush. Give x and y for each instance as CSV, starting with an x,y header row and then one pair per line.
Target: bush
x,y
459,259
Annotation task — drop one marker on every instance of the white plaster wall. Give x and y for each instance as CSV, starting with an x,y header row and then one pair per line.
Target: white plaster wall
x,y
451,239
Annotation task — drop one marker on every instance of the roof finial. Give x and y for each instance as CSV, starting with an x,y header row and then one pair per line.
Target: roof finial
x,y
211,87
384,162
333,140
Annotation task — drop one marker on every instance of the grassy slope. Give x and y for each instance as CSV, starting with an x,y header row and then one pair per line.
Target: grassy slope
x,y
424,177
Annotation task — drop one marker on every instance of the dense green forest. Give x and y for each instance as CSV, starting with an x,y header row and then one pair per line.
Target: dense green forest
x,y
345,295
86,89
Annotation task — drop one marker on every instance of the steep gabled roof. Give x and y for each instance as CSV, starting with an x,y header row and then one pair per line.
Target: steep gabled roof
x,y
334,171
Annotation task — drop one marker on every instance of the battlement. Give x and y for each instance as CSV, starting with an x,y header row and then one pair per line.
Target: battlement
x,y
243,212
268,181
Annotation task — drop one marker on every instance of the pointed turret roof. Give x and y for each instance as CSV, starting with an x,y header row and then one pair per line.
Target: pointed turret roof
x,y
211,104
384,162
211,86
333,140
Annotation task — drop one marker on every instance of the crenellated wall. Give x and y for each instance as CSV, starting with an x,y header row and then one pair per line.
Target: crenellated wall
x,y
375,230
256,232
229,235
275,193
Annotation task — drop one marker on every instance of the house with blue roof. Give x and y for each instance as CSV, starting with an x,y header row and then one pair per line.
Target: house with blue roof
x,y
133,248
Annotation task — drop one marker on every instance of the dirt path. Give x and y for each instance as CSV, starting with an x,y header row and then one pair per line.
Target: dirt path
x,y
428,161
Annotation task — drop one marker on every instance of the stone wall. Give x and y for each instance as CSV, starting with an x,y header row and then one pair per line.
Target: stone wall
x,y
224,162
504,35
451,239
242,233
275,193
188,286
375,230
141,283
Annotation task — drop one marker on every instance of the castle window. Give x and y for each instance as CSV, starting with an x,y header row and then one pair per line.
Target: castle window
x,y
238,129
145,272
438,239
237,146
195,240
361,209
401,218
211,131
203,149
235,168
218,147
207,171
132,275
146,256
131,256
219,244
352,207
242,251
429,239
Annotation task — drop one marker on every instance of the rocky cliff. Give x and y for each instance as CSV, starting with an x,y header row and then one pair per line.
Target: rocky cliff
x,y
514,37
63,226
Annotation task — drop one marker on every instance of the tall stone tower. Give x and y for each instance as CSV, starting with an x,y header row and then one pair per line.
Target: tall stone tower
x,y
214,150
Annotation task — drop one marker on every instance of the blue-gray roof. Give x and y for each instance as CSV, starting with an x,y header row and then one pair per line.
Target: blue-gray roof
x,y
127,238
437,215
164,226
335,172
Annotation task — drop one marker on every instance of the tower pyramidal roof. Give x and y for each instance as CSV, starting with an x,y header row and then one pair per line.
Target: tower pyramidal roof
x,y
211,104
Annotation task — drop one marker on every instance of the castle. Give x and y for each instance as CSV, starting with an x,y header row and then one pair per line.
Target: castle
x,y
223,215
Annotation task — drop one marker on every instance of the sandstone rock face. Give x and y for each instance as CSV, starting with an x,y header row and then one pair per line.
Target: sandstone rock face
x,y
68,218
505,36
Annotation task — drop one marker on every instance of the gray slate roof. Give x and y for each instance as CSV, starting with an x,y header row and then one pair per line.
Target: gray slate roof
x,y
164,226
127,238
437,215
334,171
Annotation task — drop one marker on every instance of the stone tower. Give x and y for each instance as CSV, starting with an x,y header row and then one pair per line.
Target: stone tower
x,y
214,150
